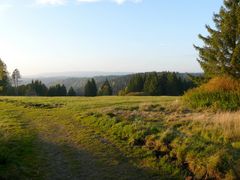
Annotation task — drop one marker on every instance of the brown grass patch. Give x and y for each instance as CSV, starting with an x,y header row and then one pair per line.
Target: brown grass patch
x,y
229,122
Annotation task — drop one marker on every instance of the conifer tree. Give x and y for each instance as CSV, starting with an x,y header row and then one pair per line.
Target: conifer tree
x,y
91,88
152,84
163,79
15,78
71,92
4,80
106,89
173,85
36,88
221,51
94,88
58,90
136,83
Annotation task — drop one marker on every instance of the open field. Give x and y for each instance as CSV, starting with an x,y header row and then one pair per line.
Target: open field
x,y
115,138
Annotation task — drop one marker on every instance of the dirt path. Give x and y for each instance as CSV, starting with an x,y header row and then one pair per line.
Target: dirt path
x,y
70,151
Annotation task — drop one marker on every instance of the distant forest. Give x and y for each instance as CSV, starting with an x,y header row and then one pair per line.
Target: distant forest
x,y
150,83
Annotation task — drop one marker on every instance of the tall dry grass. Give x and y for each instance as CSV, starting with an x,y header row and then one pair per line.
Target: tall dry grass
x,y
229,122
221,83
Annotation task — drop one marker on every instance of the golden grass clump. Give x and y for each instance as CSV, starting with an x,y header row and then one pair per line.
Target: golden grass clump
x,y
229,122
222,83
220,93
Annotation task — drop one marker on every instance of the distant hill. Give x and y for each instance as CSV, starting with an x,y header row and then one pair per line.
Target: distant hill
x,y
77,74
118,82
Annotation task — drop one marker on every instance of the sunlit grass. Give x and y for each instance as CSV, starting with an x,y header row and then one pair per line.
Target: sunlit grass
x,y
156,133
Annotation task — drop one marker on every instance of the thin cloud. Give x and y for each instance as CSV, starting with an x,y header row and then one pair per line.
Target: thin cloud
x,y
63,2
51,2
115,1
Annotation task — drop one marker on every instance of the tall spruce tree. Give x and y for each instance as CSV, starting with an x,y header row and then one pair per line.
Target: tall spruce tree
x,y
15,78
71,92
58,90
173,84
221,51
91,88
152,84
4,80
106,89
136,83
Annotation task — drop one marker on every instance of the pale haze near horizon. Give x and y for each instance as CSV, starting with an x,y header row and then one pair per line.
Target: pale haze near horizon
x,y
50,36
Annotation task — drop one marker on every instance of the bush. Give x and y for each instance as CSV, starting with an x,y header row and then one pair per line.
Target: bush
x,y
219,93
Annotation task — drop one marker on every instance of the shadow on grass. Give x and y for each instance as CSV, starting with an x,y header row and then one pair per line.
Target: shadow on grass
x,y
26,159
67,162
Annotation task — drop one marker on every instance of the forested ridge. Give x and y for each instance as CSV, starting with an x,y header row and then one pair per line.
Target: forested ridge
x,y
149,83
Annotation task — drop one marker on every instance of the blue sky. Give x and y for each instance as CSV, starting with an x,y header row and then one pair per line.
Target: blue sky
x,y
40,36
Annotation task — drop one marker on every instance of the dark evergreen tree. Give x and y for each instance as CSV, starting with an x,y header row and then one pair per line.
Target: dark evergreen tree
x,y
163,83
71,92
61,89
4,79
152,84
136,83
91,88
87,89
173,85
221,51
106,89
94,88
52,91
15,78
36,88
58,90
163,78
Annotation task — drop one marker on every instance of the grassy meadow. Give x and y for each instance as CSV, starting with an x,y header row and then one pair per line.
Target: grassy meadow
x,y
116,138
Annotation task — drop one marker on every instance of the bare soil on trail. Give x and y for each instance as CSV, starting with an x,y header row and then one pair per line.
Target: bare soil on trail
x,y
70,151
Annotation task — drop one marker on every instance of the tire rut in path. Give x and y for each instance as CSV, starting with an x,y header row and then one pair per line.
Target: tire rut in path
x,y
71,151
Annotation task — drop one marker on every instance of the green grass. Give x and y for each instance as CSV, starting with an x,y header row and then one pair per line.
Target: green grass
x,y
113,137
217,100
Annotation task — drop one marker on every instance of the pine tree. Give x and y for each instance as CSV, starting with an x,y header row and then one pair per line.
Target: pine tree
x,y
163,78
58,90
91,88
71,92
39,88
52,91
152,84
136,83
15,78
94,88
4,80
221,51
173,85
106,89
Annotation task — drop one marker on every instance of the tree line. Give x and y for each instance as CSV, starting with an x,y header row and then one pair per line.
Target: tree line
x,y
158,84
10,86
37,88
154,84
92,90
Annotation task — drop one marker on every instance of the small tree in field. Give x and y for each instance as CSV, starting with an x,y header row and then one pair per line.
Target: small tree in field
x,y
220,54
15,78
